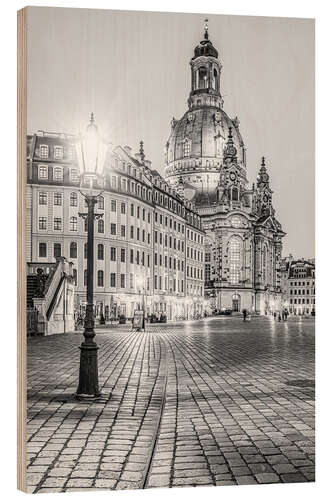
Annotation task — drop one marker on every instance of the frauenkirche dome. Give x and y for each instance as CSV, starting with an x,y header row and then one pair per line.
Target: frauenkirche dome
x,y
194,150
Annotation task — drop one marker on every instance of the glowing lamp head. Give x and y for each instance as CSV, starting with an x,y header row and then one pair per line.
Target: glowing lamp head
x,y
91,151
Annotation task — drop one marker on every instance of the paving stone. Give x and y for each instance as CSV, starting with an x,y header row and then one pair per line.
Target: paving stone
x,y
233,417
267,477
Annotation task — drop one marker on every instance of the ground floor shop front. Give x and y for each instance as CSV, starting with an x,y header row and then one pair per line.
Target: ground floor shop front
x,y
124,305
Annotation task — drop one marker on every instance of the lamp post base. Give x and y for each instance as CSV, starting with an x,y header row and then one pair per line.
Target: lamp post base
x,y
88,382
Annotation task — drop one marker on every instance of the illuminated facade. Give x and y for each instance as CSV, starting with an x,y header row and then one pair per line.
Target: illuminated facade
x,y
205,161
149,242
299,286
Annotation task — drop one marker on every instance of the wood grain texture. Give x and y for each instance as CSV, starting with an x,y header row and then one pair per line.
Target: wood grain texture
x,y
21,250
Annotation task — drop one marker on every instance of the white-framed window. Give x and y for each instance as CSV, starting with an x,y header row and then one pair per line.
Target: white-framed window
x,y
57,224
73,223
42,198
58,173
42,172
234,260
57,199
58,152
73,175
44,151
42,223
73,200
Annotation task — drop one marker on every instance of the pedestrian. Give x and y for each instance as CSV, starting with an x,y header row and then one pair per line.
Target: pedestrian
x,y
279,316
274,314
244,314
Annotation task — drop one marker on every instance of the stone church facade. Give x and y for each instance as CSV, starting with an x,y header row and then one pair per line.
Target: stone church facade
x,y
205,161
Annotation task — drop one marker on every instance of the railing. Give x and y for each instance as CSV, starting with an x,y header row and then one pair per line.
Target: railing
x,y
52,283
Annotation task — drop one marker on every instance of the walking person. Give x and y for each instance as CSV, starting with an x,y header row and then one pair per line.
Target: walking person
x,y
244,314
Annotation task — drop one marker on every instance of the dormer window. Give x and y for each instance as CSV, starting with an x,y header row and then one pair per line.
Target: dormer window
x,y
43,151
58,152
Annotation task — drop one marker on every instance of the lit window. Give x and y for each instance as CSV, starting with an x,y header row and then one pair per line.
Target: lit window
x,y
42,172
186,148
42,223
57,224
57,199
73,175
43,151
57,173
235,260
73,224
73,200
58,152
42,198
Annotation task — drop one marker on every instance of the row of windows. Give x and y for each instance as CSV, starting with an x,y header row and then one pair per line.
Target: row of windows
x,y
193,272
169,284
300,292
192,235
58,151
302,301
57,172
169,222
299,283
194,254
58,175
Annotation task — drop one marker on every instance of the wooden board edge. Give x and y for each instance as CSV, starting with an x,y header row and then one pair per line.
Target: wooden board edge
x,y
21,250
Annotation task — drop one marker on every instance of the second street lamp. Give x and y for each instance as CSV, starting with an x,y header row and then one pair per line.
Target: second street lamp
x,y
91,156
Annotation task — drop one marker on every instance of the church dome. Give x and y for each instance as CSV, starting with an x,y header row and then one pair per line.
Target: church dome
x,y
202,133
195,148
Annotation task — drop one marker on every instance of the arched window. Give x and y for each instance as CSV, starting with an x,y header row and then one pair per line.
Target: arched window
x,y
75,277
57,250
264,265
73,199
202,78
234,260
73,223
215,79
234,194
186,148
85,250
100,278
100,226
100,251
73,250
100,202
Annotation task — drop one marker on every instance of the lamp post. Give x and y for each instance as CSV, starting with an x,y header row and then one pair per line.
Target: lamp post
x,y
141,289
91,155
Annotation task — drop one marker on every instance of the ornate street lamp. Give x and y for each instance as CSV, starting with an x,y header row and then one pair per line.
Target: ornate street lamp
x,y
140,283
91,151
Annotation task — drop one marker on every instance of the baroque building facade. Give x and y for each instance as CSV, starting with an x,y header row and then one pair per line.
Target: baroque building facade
x,y
149,242
299,285
205,161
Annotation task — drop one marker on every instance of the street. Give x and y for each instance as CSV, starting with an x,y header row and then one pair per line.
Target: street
x,y
209,402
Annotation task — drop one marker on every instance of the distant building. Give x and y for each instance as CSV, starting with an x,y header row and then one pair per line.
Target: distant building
x,y
148,241
299,285
205,160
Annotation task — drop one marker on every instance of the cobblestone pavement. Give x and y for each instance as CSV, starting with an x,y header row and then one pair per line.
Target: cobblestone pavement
x,y
210,402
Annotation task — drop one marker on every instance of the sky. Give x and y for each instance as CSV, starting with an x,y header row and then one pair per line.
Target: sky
x,y
132,70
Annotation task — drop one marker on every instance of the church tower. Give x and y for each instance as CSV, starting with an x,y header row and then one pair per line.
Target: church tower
x,y
194,151
205,161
